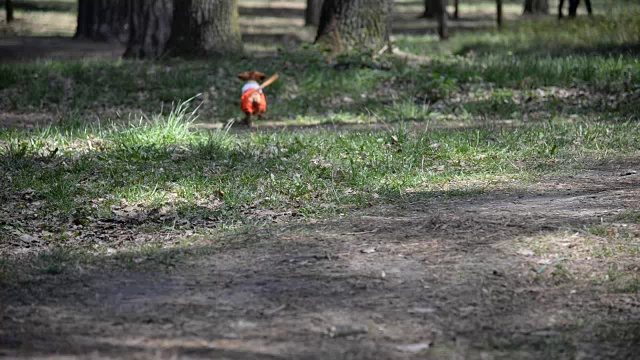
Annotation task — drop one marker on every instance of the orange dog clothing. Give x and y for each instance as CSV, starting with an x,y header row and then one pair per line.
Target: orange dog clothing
x,y
251,102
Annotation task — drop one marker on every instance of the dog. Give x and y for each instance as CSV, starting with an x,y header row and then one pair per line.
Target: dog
x,y
253,102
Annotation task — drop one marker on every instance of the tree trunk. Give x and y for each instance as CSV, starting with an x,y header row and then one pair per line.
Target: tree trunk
x,y
355,24
8,6
202,27
536,7
456,13
103,20
573,7
149,28
499,13
312,12
429,9
441,15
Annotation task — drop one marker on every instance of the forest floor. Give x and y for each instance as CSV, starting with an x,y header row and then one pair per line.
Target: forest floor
x,y
477,199
508,274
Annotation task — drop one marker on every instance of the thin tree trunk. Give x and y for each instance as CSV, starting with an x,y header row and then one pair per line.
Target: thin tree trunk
x,y
359,24
429,9
573,8
456,5
149,28
312,12
203,27
8,6
441,15
499,13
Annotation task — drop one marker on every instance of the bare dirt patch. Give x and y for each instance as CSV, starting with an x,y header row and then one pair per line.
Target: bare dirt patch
x,y
429,276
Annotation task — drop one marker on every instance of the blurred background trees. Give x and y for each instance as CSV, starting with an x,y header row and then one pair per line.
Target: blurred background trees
x,y
187,28
312,12
536,6
8,6
346,24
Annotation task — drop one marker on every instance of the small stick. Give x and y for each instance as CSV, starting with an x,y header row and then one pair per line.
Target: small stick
x,y
269,81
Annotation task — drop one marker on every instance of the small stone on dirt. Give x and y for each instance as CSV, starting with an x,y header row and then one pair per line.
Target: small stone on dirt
x,y
413,348
347,330
631,172
422,310
28,239
525,252
370,250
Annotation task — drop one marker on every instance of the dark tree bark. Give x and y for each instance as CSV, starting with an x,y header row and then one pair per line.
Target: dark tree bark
x,y
103,20
8,6
312,12
573,7
536,7
441,16
203,27
355,24
456,13
149,28
499,13
429,9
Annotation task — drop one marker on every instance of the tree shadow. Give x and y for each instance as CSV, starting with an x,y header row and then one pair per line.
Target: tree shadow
x,y
444,270
33,48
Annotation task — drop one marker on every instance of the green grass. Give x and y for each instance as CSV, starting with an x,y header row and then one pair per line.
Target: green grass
x,y
541,96
583,66
77,173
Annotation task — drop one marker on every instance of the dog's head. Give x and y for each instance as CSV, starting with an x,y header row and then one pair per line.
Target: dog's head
x,y
252,75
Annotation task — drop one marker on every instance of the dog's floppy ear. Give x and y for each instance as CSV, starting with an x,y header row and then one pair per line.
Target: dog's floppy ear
x,y
259,76
246,76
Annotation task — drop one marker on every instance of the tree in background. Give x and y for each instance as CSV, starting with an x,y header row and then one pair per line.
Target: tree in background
x,y
103,20
149,28
456,13
203,27
536,7
440,9
8,6
355,24
155,28
312,12
573,7
429,9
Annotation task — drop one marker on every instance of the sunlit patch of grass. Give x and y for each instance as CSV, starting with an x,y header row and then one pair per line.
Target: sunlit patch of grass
x,y
78,173
481,74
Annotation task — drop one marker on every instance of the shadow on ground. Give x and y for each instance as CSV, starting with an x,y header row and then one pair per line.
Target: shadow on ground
x,y
435,277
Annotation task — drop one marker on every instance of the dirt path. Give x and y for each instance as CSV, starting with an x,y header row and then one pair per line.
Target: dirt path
x,y
437,278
